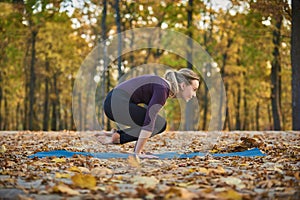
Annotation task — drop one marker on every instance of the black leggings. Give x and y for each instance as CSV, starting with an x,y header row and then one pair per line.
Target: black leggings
x,y
118,108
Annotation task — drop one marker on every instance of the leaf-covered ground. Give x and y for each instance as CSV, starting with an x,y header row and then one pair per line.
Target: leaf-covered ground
x,y
274,176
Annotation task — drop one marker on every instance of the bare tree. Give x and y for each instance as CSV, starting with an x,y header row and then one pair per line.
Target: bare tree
x,y
295,44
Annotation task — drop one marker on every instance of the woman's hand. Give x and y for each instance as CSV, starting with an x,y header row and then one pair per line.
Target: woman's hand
x,y
147,156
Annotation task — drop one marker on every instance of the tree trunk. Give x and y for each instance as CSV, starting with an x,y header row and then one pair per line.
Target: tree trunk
x,y
223,74
103,38
246,110
227,120
80,112
1,97
72,123
237,108
270,127
53,119
188,110
295,44
257,116
118,23
18,118
190,33
6,113
65,124
46,102
207,41
32,81
205,107
55,106
275,76
107,89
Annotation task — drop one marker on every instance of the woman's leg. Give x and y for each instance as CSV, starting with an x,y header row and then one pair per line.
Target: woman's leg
x,y
133,117
132,133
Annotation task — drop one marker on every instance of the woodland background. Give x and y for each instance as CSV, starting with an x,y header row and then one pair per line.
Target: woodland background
x,y
43,44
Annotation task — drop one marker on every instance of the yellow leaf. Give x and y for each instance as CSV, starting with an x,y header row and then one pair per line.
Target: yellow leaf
x,y
214,151
84,181
179,193
230,194
62,188
134,161
74,169
203,170
61,175
3,149
58,160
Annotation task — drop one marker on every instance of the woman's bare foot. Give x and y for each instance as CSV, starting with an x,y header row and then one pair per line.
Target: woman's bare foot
x,y
113,138
106,133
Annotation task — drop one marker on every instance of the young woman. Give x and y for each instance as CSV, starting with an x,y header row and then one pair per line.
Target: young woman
x,y
123,105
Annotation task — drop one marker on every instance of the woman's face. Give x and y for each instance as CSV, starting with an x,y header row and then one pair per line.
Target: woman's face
x,y
187,92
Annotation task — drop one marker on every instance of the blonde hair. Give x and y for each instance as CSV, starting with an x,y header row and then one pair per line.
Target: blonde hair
x,y
183,75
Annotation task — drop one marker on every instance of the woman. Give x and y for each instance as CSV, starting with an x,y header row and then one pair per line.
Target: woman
x,y
122,105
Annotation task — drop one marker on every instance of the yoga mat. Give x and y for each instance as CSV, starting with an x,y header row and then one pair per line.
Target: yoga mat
x,y
167,155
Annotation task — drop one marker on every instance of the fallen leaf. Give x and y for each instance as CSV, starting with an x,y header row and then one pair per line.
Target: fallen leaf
x,y
84,170
147,182
230,194
84,181
74,169
62,188
202,170
219,170
179,193
59,160
62,175
3,149
233,181
101,171
134,161
297,175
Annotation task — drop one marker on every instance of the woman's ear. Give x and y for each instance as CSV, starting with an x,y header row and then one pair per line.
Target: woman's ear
x,y
181,86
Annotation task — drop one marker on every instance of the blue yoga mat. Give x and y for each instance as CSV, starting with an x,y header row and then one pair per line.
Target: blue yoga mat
x,y
167,155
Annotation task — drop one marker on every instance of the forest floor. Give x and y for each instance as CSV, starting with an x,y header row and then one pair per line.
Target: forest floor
x,y
274,176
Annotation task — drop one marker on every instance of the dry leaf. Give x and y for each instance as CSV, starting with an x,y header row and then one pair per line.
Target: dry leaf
x,y
203,170
59,160
3,149
74,169
147,182
134,161
84,181
233,181
62,188
62,175
179,193
230,194
219,170
84,170
101,171
297,175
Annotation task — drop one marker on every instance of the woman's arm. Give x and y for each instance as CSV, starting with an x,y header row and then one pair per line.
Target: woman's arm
x,y
144,135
